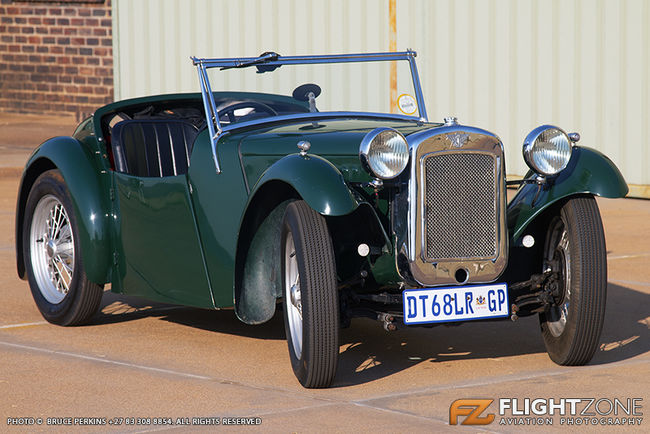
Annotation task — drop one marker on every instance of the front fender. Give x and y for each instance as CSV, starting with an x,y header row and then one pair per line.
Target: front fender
x,y
316,180
88,184
588,172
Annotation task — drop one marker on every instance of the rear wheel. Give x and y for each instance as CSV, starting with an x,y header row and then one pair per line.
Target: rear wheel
x,y
575,249
53,262
311,308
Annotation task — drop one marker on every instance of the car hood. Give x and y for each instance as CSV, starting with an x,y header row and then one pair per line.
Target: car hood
x,y
334,139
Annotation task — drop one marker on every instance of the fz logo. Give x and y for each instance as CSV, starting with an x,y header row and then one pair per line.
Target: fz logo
x,y
472,408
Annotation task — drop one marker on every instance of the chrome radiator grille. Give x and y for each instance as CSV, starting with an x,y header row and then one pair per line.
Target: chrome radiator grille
x,y
460,213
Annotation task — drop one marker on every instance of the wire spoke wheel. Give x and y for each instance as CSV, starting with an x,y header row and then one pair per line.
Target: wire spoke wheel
x,y
53,262
52,249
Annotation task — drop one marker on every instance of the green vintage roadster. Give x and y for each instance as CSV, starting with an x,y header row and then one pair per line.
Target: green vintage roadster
x,y
254,200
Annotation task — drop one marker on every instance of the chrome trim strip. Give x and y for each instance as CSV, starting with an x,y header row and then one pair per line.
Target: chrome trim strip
x,y
309,117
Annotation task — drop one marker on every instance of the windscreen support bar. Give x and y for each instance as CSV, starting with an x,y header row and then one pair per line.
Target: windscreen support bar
x,y
203,64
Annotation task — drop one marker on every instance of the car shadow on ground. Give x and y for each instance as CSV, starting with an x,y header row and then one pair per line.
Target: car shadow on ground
x,y
626,332
118,308
369,353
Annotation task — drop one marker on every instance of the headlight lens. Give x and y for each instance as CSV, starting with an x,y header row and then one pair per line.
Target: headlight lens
x,y
547,150
384,152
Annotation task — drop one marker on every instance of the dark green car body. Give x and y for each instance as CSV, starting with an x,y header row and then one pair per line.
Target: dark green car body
x,y
249,201
208,239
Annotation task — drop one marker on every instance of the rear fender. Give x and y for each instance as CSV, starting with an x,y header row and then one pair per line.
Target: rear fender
x,y
88,182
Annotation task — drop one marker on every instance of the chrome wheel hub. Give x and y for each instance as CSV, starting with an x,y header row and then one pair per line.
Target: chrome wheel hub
x,y
559,313
295,296
292,295
52,249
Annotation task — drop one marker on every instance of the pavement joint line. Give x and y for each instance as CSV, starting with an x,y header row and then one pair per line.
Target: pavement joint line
x,y
290,410
636,255
406,413
26,324
629,282
502,379
329,401
107,361
366,402
328,404
222,381
326,401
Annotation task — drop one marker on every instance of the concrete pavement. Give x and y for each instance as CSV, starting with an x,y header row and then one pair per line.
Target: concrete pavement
x,y
143,360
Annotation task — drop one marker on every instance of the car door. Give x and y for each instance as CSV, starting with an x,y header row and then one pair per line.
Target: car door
x,y
159,255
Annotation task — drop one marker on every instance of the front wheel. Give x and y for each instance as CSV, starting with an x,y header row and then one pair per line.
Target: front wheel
x,y
311,308
575,250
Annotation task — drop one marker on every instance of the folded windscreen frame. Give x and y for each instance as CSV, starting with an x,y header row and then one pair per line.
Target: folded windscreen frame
x,y
269,62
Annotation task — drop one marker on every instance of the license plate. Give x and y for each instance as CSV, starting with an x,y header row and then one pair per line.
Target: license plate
x,y
457,303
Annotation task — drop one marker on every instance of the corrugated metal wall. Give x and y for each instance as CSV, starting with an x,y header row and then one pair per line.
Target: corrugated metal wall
x,y
504,65
155,38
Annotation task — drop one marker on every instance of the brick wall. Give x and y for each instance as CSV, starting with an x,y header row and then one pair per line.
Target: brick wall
x,y
55,57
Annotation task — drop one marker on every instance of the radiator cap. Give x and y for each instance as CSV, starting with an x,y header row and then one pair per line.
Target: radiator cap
x,y
451,120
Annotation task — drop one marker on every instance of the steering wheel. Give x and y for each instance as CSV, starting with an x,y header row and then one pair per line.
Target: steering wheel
x,y
229,110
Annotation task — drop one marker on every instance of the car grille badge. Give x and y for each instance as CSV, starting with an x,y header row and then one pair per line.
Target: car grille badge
x,y
458,140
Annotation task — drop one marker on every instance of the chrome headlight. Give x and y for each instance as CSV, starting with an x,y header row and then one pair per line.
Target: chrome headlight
x,y
547,150
384,152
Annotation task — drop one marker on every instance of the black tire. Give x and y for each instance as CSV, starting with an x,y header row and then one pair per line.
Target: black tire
x,y
576,242
71,299
314,354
